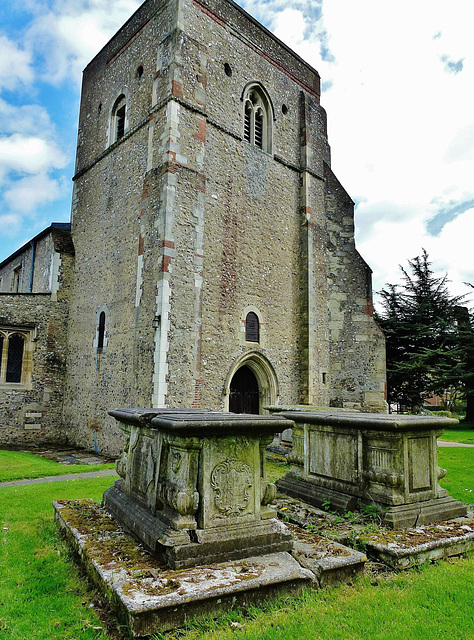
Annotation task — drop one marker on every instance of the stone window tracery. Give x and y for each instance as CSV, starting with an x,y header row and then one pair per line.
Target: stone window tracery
x,y
257,118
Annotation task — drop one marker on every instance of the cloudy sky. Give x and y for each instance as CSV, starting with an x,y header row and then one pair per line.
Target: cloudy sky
x,y
398,86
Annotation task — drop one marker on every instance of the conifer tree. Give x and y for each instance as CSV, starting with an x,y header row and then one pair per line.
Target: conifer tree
x,y
428,339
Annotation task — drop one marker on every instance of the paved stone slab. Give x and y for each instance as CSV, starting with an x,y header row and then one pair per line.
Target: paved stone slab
x,y
449,443
150,597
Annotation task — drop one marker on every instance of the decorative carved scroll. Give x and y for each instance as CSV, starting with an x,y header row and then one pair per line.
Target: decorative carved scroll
x,y
231,480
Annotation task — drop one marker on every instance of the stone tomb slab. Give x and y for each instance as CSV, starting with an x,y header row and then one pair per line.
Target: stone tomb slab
x,y
193,485
422,544
331,562
150,597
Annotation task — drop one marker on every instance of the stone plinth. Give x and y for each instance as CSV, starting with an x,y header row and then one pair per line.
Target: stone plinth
x,y
193,488
351,459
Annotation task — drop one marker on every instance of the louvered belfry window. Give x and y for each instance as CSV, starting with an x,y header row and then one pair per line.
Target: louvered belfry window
x,y
247,122
257,123
252,328
259,129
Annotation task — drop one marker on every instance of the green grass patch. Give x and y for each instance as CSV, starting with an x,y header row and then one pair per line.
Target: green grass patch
x,y
459,480
42,594
466,436
275,469
15,465
413,605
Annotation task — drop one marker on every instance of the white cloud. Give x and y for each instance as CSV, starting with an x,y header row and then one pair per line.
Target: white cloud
x,y
28,154
10,224
27,119
31,192
65,35
15,65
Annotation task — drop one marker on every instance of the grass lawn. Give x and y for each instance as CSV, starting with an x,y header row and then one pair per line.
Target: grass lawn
x,y
466,436
15,465
459,481
43,596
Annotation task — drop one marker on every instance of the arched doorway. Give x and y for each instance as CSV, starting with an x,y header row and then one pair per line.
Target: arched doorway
x,y
251,374
244,395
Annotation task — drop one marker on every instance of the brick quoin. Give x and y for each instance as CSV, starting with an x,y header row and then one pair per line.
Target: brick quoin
x,y
177,89
166,261
369,307
168,243
140,244
201,135
197,394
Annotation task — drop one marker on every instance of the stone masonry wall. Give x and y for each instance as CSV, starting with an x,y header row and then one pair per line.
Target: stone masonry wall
x,y
358,376
34,414
181,227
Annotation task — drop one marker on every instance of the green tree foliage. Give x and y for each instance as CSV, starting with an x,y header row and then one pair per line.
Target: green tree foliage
x,y
429,337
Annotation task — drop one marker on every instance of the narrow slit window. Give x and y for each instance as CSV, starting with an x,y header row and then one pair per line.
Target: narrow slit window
x,y
252,328
16,346
101,331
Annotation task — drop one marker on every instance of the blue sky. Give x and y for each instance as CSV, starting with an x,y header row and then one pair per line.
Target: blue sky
x,y
398,78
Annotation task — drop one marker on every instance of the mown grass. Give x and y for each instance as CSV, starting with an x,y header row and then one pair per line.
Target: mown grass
x,y
15,465
43,596
459,480
466,436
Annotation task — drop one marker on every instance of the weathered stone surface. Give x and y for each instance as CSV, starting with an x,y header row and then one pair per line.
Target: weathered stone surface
x,y
330,562
31,410
350,459
152,598
422,544
193,485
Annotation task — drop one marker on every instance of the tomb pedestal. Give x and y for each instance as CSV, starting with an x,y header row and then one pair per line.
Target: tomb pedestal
x,y
347,460
192,485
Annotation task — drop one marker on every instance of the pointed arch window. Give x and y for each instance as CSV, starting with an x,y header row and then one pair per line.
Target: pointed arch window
x,y
257,119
